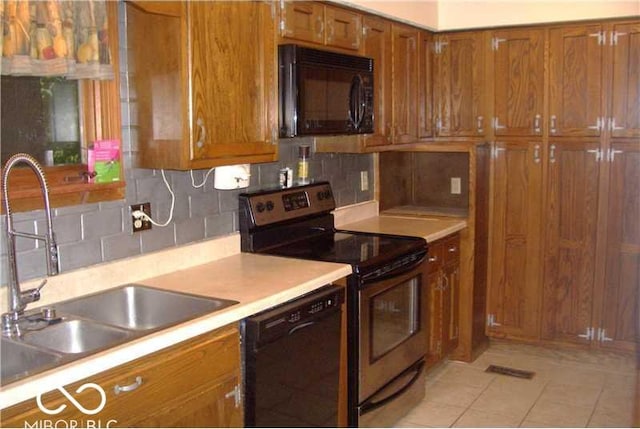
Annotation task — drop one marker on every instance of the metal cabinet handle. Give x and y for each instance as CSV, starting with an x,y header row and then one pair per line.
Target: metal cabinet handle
x,y
552,153
319,27
117,389
536,153
203,133
433,258
552,124
612,125
536,124
453,249
479,123
235,394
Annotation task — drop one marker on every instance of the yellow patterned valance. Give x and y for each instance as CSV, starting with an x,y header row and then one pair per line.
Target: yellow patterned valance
x,y
55,38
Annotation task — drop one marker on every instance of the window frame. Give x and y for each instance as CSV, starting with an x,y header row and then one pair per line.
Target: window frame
x,y
99,101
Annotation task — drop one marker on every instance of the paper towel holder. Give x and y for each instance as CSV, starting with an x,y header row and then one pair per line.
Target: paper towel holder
x,y
232,176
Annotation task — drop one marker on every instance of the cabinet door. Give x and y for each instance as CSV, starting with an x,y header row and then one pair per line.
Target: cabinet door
x,y
377,45
571,213
513,302
434,289
215,406
302,20
625,91
405,84
343,28
575,89
451,293
459,78
233,80
622,278
518,64
425,78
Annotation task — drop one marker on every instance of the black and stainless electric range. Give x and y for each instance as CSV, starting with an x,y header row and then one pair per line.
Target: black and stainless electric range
x,y
386,294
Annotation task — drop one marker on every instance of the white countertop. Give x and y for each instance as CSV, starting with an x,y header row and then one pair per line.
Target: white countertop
x,y
429,228
258,282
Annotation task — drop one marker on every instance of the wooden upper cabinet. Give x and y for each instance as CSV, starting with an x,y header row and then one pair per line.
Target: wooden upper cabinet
x,y
206,83
575,88
233,81
622,275
425,82
625,91
302,20
405,84
459,84
377,45
571,227
514,289
518,79
310,21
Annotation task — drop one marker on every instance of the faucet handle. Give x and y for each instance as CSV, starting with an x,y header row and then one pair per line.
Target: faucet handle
x,y
32,295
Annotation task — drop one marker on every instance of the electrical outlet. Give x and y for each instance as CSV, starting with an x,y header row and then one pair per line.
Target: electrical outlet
x,y
456,185
364,180
141,224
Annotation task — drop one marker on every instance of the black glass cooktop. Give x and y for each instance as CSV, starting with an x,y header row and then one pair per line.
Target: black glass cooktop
x,y
360,250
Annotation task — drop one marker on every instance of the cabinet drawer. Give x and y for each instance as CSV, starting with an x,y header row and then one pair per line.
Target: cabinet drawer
x,y
451,249
435,257
144,386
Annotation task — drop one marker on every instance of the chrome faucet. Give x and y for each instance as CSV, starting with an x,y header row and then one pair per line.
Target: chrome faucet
x,y
18,299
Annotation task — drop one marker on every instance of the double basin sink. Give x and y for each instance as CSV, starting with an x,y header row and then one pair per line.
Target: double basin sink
x,y
88,324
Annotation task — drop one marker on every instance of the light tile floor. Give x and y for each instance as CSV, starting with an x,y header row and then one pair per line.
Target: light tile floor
x,y
571,388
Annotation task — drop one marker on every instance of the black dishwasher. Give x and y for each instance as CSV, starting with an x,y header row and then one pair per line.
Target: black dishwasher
x,y
292,362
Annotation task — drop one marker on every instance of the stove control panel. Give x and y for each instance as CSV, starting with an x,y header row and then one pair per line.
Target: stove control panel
x,y
265,208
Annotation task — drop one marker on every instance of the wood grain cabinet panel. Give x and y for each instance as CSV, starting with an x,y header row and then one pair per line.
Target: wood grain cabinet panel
x,y
576,91
443,288
192,384
313,22
514,289
459,84
571,228
206,82
405,84
377,45
625,91
622,273
518,80
425,77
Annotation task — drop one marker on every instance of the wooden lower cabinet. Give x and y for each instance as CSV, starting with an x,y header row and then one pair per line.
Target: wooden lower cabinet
x,y
571,215
443,278
513,290
192,384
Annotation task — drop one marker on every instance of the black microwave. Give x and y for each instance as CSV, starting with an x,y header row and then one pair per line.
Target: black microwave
x,y
324,93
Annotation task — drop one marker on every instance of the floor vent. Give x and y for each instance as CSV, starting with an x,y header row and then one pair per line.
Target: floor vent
x,y
510,371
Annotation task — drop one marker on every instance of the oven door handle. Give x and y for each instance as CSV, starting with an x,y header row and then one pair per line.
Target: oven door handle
x,y
372,405
376,277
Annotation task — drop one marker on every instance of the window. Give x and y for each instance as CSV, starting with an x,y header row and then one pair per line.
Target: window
x,y
74,114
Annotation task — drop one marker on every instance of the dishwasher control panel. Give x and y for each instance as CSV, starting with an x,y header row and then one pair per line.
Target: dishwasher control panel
x,y
287,318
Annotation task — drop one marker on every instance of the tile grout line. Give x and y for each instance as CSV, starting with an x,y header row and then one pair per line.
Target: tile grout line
x,y
472,402
595,405
534,404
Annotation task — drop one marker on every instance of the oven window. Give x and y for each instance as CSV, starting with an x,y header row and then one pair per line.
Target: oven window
x,y
395,315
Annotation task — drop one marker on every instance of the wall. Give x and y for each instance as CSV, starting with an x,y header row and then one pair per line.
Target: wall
x,y
92,233
462,14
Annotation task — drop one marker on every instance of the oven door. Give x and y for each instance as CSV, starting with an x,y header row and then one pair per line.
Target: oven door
x,y
393,332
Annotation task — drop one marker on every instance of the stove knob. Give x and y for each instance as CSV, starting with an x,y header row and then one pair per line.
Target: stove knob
x,y
260,207
270,206
320,195
327,194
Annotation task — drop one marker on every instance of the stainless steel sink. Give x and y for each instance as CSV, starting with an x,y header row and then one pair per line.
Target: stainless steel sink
x,y
87,324
20,359
140,307
76,336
